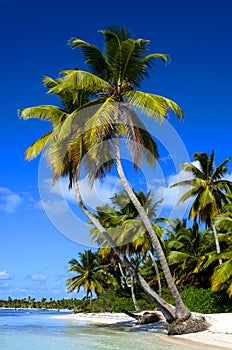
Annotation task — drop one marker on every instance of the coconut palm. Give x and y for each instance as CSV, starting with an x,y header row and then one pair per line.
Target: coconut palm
x,y
65,157
127,229
223,273
90,274
188,248
108,121
209,188
115,76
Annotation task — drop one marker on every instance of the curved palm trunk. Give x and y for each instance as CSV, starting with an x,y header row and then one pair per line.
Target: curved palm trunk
x,y
156,271
133,292
218,249
182,311
131,287
167,309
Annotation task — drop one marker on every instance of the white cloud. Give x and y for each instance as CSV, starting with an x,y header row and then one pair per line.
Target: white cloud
x,y
38,277
9,201
4,275
171,196
98,195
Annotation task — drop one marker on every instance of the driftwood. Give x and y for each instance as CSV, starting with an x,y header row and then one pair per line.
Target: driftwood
x,y
145,318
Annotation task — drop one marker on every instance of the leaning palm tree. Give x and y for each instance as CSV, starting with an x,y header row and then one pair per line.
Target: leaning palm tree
x,y
90,274
209,188
66,160
116,75
102,124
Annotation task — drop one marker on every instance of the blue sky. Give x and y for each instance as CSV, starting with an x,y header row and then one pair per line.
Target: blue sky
x,y
196,34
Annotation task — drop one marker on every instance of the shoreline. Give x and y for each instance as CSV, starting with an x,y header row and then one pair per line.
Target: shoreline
x,y
219,334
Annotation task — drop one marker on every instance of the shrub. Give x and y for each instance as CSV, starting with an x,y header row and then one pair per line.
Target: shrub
x,y
123,304
205,301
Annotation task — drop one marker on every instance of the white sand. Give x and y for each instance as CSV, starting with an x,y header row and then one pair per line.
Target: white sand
x,y
219,333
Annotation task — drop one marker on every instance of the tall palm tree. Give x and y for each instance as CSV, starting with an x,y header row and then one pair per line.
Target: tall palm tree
x,y
209,188
105,122
67,161
91,275
115,76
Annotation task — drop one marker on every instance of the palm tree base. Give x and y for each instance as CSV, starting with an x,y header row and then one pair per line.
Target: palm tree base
x,y
195,323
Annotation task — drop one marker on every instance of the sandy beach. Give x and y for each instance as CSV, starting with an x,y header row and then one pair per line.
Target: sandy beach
x,y
219,333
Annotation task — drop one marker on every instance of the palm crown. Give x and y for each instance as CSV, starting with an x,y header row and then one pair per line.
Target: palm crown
x,y
208,186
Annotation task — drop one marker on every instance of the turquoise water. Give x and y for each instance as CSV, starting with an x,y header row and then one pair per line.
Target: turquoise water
x,y
37,330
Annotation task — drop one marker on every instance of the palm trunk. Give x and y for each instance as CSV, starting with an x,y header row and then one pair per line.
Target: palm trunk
x,y
167,309
133,293
132,288
218,249
121,271
156,271
182,311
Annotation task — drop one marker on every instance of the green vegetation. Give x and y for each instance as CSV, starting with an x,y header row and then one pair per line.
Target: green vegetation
x,y
29,302
190,251
139,253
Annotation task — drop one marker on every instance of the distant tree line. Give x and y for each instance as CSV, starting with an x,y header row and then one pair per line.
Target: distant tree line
x,y
29,302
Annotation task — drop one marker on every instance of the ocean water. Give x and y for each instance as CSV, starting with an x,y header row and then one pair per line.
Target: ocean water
x,y
37,330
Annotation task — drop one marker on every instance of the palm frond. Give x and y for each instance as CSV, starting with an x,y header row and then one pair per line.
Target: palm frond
x,y
152,105
193,169
221,170
221,275
80,80
36,148
93,57
50,113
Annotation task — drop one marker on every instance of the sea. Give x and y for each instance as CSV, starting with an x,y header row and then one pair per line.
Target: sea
x,y
30,329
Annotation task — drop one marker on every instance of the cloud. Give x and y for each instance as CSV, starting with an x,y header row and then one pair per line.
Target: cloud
x,y
38,277
171,196
98,195
9,201
4,275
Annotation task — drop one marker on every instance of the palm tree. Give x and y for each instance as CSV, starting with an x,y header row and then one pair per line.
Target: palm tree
x,y
209,188
124,225
115,76
105,123
91,275
188,248
66,158
223,273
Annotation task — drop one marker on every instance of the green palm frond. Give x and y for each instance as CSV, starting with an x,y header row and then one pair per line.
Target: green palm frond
x,y
149,58
93,57
206,163
152,105
189,167
221,275
36,148
192,192
50,113
221,170
77,80
113,39
50,82
176,257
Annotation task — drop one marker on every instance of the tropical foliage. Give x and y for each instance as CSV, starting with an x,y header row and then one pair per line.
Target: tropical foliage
x,y
100,108
89,274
